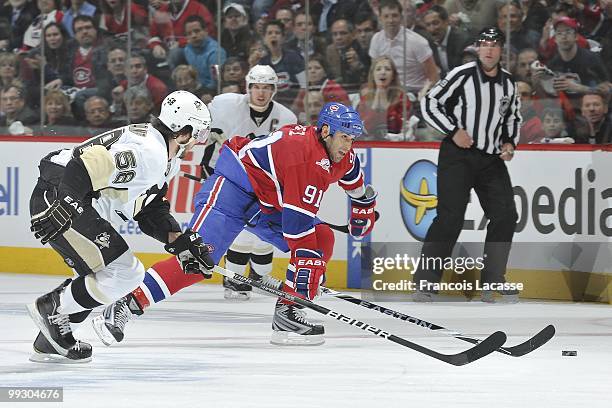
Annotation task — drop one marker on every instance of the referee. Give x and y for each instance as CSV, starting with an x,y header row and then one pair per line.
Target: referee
x,y
477,106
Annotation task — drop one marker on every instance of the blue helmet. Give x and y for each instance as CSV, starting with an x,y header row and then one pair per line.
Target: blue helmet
x,y
339,117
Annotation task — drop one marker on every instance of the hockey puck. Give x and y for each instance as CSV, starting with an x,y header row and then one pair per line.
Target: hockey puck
x,y
569,353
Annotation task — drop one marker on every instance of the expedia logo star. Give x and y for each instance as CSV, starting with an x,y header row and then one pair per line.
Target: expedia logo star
x,y
418,197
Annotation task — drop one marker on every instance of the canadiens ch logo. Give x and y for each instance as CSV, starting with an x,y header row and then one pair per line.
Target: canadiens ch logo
x,y
325,164
103,240
334,108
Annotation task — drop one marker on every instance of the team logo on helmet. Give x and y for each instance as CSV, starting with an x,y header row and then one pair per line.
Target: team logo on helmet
x,y
334,108
198,105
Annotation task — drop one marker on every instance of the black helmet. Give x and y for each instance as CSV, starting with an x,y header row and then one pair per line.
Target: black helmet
x,y
492,33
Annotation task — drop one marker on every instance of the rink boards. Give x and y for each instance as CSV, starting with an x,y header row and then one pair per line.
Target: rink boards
x,y
564,201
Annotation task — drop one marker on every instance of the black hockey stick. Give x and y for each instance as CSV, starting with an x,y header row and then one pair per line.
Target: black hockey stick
x,y
480,350
528,346
194,178
345,228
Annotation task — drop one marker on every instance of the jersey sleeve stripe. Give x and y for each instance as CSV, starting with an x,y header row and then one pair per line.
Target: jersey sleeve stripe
x,y
300,210
251,156
352,174
160,282
300,235
209,204
261,158
295,223
279,193
312,251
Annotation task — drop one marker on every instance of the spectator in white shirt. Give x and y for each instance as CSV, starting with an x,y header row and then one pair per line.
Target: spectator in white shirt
x,y
414,58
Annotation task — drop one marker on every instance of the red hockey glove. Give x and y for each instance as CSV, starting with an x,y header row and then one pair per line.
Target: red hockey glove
x,y
309,272
363,215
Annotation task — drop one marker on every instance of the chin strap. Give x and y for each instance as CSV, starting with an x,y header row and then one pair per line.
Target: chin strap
x,y
182,147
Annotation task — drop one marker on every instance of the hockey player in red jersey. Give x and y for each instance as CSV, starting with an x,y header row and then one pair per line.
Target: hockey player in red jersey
x,y
272,186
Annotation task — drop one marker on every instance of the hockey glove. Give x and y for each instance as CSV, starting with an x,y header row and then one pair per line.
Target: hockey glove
x,y
56,219
363,215
193,255
309,272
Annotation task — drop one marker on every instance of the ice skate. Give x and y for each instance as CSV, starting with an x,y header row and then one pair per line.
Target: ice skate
x,y
290,327
110,325
236,291
266,280
45,353
421,296
53,325
504,296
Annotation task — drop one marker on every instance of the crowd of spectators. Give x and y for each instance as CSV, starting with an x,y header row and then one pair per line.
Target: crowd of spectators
x,y
78,67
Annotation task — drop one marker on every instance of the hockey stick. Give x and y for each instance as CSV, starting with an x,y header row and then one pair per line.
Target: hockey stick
x,y
480,350
345,228
202,179
526,347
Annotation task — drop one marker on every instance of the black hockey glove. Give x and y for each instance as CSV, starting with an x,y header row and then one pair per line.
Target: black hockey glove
x,y
56,219
192,254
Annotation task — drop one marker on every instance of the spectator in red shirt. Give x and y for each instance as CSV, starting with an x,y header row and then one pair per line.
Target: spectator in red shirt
x,y
115,19
167,28
138,76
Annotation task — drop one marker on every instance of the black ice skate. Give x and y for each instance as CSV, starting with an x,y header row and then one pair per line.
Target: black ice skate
x,y
236,291
290,327
110,325
45,353
53,325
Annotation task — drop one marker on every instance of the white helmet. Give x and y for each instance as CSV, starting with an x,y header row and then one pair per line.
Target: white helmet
x,y
182,108
262,74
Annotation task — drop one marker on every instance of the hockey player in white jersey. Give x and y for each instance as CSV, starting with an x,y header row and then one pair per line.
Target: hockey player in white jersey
x,y
81,197
253,114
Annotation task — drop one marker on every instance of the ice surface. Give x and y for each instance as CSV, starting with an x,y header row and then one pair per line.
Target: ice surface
x,y
199,350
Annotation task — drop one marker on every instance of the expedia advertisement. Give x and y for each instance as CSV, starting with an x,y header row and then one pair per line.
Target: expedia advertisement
x,y
563,198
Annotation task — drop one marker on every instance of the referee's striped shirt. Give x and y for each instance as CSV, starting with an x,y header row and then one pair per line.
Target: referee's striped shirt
x,y
488,108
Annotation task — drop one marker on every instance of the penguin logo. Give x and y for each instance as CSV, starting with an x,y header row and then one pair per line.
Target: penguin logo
x,y
504,104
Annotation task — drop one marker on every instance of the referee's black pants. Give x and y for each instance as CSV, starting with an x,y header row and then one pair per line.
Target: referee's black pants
x,y
460,170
